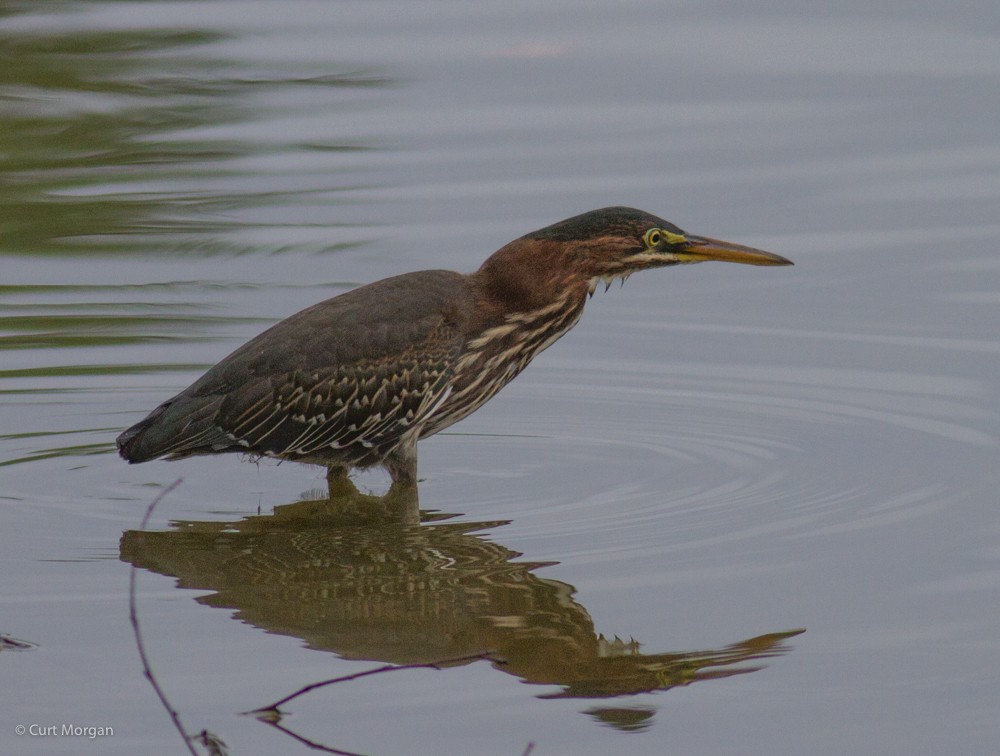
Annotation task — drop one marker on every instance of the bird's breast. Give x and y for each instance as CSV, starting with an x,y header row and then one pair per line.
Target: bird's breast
x,y
494,357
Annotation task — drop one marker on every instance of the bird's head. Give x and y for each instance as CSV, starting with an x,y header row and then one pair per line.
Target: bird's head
x,y
605,245
615,242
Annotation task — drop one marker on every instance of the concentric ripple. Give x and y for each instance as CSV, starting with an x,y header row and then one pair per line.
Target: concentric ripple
x,y
633,459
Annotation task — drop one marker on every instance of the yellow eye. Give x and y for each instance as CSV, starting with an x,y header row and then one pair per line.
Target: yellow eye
x,y
657,236
652,237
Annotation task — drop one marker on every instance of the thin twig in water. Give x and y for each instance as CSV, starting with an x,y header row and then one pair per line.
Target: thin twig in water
x,y
529,749
482,656
7,643
312,743
134,617
213,743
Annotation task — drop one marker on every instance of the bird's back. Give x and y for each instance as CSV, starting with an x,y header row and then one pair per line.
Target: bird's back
x,y
343,379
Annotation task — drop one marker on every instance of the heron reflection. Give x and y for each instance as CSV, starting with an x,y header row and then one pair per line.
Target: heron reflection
x,y
354,576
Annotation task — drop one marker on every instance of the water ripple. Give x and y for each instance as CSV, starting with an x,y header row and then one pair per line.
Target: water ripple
x,y
696,459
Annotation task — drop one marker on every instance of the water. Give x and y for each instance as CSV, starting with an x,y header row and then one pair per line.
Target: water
x,y
717,458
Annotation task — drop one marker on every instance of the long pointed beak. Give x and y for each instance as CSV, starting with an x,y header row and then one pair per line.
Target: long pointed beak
x,y
700,248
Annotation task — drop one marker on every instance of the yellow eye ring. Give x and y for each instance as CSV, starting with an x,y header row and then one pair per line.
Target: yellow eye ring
x,y
656,236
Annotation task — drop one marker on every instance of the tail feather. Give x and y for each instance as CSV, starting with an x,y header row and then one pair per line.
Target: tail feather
x,y
177,428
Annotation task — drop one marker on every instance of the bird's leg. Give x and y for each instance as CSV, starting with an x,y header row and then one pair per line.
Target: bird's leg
x,y
337,481
404,502
401,462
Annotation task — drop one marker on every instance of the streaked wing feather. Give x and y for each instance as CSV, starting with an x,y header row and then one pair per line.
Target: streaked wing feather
x,y
358,369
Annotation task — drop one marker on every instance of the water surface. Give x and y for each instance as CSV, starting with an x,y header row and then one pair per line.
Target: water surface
x,y
736,510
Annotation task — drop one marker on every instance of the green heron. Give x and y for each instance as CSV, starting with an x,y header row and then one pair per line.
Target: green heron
x,y
355,381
